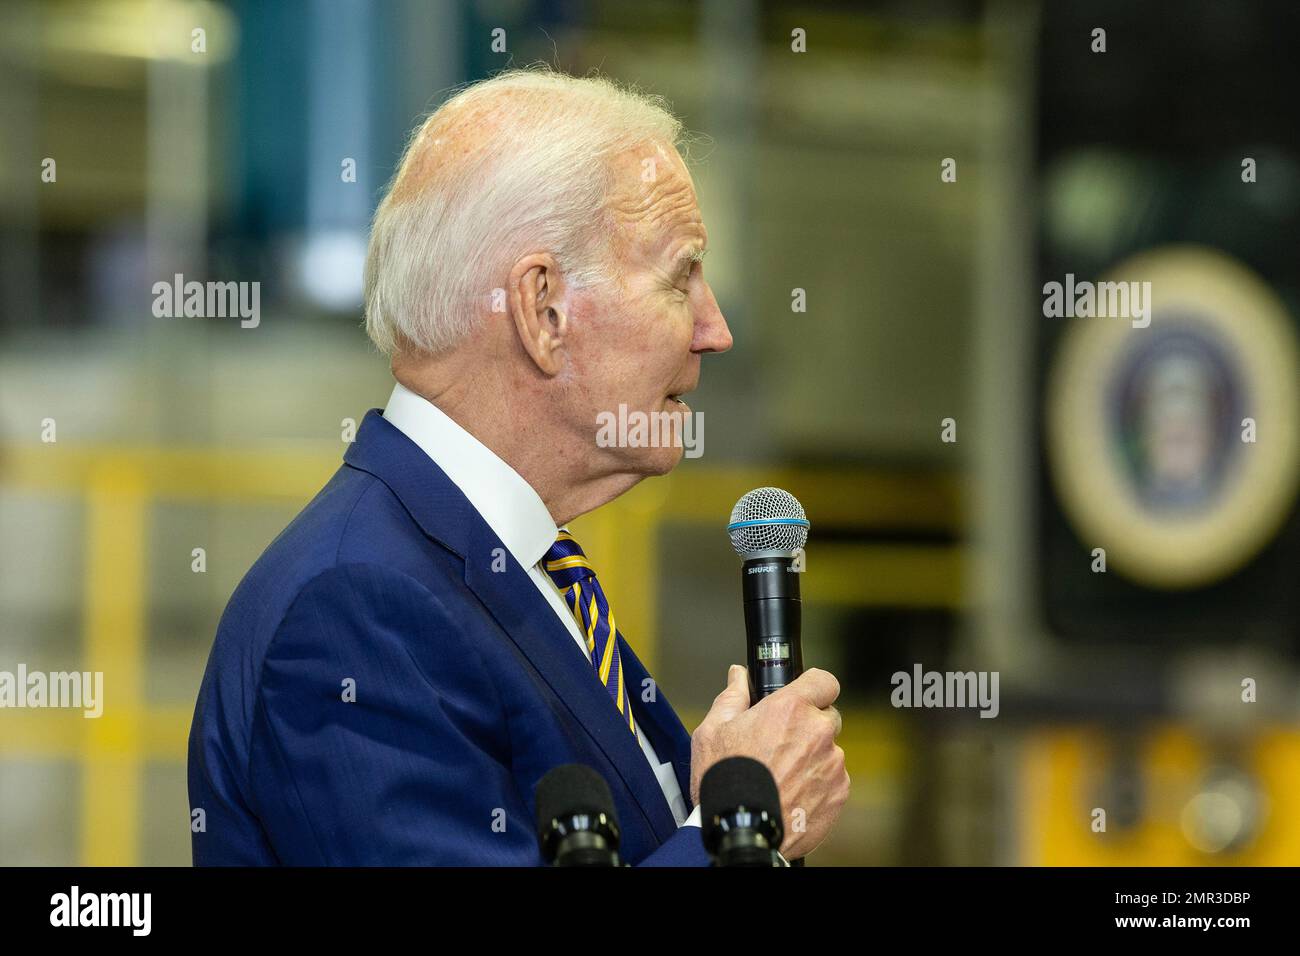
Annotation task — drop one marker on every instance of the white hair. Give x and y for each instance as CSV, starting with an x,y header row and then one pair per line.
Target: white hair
x,y
509,165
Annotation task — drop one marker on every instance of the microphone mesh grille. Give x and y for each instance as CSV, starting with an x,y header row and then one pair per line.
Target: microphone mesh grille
x,y
767,519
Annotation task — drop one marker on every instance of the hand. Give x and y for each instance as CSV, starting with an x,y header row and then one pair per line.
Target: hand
x,y
792,732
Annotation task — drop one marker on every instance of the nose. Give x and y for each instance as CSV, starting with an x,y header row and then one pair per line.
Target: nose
x,y
711,332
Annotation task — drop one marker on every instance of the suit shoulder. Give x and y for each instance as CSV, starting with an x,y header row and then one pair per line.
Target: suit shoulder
x,y
354,520
308,545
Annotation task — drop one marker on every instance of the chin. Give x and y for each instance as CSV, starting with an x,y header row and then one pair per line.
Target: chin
x,y
663,461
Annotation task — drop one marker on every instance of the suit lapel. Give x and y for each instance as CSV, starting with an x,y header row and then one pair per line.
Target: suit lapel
x,y
446,515
513,599
657,720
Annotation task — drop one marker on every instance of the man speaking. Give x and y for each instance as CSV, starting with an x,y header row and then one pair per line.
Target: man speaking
x,y
426,640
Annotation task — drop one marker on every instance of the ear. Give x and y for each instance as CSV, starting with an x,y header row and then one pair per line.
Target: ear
x,y
537,305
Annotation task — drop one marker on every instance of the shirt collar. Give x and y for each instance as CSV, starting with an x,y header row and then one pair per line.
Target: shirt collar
x,y
508,503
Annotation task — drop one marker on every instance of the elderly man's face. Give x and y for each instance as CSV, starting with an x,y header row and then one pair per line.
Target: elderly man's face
x,y
639,339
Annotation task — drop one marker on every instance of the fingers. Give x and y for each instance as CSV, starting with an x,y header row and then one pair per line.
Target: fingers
x,y
734,698
816,686
738,677
836,719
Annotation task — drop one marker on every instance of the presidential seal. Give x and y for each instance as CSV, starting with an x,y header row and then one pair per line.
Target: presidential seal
x,y
1175,445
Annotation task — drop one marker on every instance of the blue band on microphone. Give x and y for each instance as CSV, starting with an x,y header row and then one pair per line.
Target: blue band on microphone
x,y
756,522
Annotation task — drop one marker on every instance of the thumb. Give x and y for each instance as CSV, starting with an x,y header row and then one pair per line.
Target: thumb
x,y
734,699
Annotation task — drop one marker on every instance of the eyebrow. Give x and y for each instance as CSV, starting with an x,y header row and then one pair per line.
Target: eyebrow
x,y
689,255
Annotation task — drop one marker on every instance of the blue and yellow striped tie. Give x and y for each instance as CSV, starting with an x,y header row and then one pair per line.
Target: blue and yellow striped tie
x,y
567,565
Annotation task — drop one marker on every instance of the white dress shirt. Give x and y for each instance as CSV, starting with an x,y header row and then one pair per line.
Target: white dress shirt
x,y
515,512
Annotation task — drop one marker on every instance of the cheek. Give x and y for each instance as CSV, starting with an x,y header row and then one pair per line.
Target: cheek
x,y
667,332
678,336
655,361
642,344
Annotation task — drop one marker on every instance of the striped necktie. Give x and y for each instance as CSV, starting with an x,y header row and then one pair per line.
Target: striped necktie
x,y
567,565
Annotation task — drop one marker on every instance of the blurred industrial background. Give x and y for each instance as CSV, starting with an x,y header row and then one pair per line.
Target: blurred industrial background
x,y
1163,691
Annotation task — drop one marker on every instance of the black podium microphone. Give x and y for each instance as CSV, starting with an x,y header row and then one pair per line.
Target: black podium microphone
x,y
576,822
740,814
768,528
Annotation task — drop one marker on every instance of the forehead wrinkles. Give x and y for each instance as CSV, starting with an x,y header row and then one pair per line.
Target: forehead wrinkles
x,y
653,212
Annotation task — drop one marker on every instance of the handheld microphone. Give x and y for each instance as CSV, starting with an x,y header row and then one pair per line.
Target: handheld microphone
x,y
767,528
576,822
740,814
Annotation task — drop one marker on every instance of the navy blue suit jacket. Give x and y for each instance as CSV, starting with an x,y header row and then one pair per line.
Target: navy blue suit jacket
x,y
468,689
